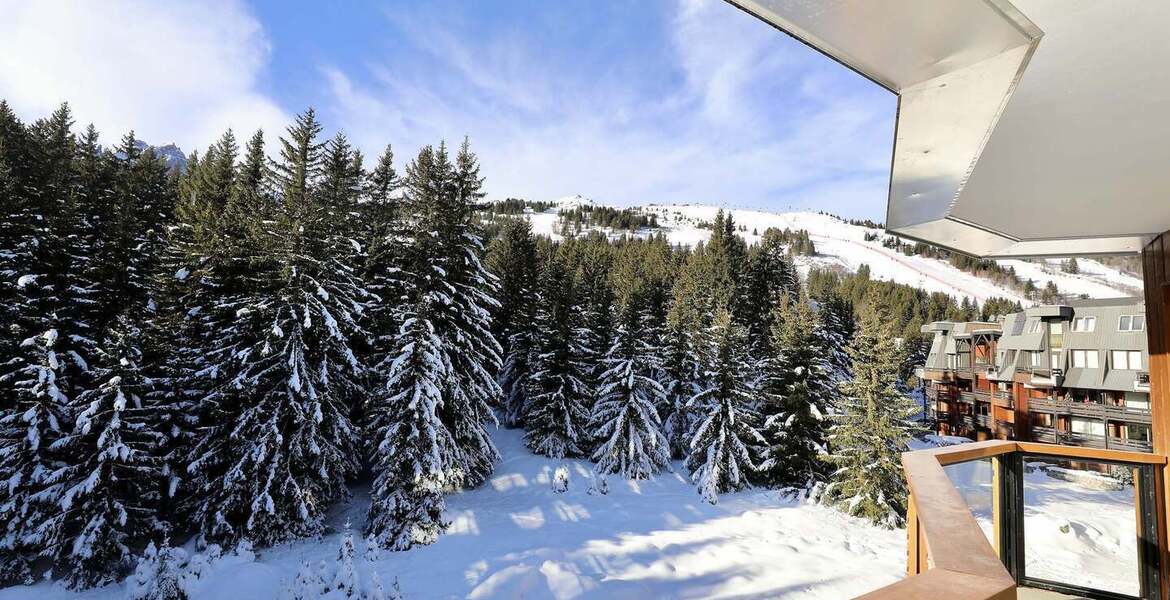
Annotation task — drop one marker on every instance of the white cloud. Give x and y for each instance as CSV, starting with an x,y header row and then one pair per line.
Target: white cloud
x,y
172,71
753,118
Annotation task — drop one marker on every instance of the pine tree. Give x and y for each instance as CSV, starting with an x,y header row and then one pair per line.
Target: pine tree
x,y
874,427
412,452
512,258
19,230
52,339
625,418
680,369
443,361
27,433
383,182
158,574
206,265
838,328
594,259
725,444
284,445
107,487
126,200
346,581
556,417
384,243
309,583
770,280
475,355
798,393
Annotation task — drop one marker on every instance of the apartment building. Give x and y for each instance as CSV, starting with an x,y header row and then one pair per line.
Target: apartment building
x,y
1074,374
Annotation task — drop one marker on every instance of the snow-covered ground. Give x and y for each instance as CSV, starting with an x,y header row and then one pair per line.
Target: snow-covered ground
x,y
515,538
1075,532
840,244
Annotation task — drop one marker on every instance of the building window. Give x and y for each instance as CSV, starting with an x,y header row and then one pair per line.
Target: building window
x,y
1085,359
1087,427
1131,323
1139,433
1055,359
1084,324
1036,325
1127,360
1056,335
1036,359
1137,400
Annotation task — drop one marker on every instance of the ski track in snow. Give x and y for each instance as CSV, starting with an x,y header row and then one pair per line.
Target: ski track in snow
x,y
840,244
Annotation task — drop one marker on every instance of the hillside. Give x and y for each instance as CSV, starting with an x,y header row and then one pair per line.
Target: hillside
x,y
840,244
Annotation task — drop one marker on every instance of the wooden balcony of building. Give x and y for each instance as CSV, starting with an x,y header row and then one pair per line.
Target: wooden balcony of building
x,y
1049,435
939,375
1092,410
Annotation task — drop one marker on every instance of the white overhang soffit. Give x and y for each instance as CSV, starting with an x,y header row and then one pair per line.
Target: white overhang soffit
x,y
1025,128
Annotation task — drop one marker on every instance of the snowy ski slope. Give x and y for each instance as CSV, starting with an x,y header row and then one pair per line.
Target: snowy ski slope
x,y
842,245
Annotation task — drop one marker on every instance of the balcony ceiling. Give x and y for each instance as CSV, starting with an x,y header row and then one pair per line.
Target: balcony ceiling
x,y
1025,128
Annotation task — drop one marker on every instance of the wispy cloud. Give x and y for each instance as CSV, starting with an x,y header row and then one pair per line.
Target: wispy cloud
x,y
630,103
174,71
740,115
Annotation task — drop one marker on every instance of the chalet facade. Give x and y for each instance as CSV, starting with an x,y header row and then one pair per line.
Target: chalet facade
x,y
1073,374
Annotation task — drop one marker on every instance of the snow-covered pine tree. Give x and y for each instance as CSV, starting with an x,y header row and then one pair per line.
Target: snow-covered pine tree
x,y
512,258
625,418
27,431
874,427
593,260
430,421
351,580
202,268
158,574
797,390
474,353
286,445
106,489
412,453
308,584
680,373
726,444
771,278
346,581
556,419
129,236
47,267
18,229
838,328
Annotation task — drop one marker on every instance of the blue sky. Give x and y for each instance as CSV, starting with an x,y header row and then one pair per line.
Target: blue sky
x,y
624,101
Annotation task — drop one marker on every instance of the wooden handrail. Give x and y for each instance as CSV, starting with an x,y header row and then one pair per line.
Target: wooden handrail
x,y
962,564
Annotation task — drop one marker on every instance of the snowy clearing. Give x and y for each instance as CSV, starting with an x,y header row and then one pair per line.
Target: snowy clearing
x,y
517,538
